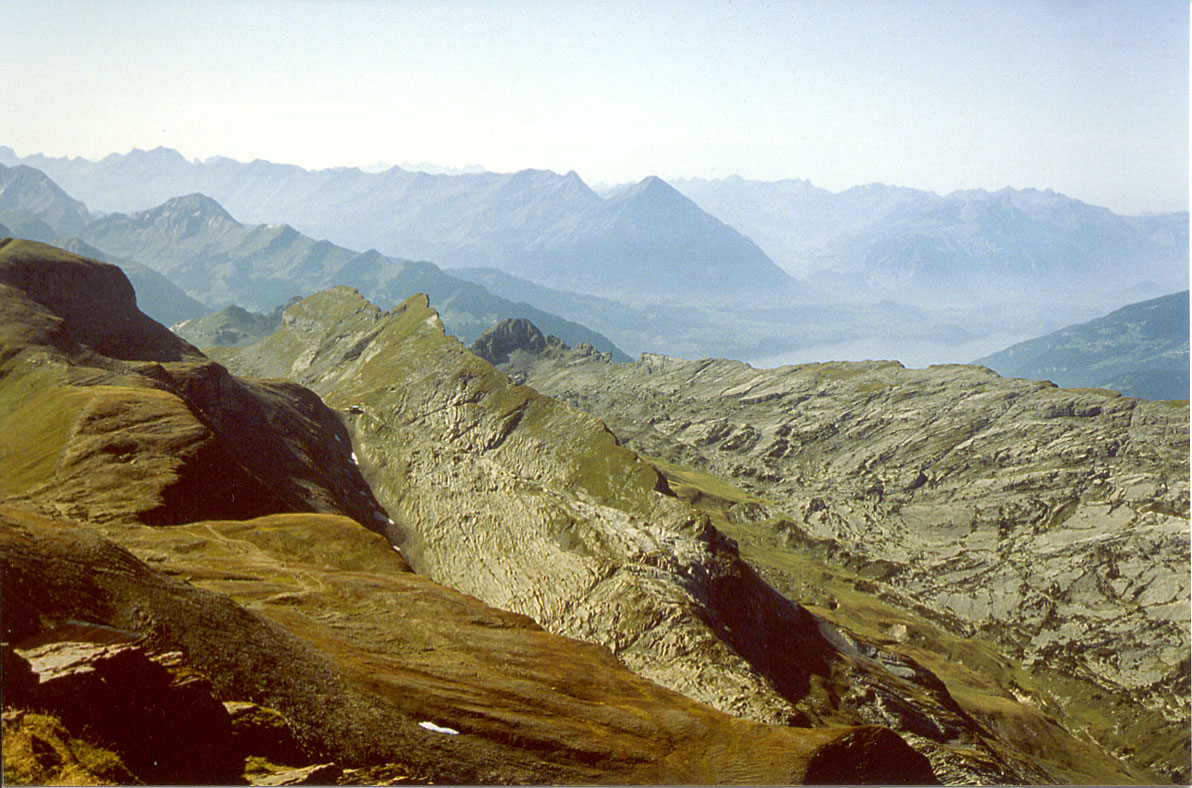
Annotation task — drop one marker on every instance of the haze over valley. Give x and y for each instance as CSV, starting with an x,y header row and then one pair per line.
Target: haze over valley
x,y
701,407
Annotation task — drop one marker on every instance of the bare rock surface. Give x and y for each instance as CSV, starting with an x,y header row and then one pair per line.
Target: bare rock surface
x,y
534,507
1050,522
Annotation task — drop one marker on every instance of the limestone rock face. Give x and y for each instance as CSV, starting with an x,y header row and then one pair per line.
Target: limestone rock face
x,y
534,507
1052,522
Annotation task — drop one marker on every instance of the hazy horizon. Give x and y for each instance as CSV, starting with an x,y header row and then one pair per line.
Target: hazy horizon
x,y
1087,98
600,187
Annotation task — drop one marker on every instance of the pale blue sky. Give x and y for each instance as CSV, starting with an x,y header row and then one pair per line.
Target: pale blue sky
x,y
1089,98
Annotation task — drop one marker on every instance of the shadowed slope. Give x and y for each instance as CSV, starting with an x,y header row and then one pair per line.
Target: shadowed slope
x,y
108,415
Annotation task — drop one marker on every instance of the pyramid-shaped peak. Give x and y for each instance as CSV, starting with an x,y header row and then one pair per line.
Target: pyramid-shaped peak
x,y
193,205
652,188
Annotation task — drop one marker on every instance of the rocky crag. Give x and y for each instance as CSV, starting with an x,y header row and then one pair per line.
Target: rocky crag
x,y
267,589
534,507
1051,524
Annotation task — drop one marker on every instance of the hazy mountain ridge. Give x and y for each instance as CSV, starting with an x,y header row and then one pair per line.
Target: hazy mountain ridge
x,y
533,223
969,273
974,244
25,190
1140,350
196,243
40,210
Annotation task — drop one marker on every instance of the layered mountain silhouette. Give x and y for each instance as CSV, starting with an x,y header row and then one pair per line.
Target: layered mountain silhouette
x,y
267,593
1140,350
965,273
201,247
198,244
647,242
39,210
968,246
29,201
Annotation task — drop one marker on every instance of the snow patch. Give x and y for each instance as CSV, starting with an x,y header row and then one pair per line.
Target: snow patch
x,y
430,726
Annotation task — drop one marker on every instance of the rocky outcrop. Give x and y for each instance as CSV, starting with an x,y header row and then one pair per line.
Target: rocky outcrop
x,y
496,344
1050,522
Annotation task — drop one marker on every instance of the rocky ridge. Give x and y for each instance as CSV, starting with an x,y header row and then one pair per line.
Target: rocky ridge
x,y
1050,522
375,669
533,507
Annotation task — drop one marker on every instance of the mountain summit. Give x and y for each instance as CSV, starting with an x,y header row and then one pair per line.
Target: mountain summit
x,y
551,229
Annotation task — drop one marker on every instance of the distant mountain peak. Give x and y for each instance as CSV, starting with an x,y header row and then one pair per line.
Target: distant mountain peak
x,y
158,157
185,216
512,334
651,189
195,205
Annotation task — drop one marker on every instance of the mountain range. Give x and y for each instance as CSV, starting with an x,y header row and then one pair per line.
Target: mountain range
x,y
646,242
954,277
200,248
873,241
969,246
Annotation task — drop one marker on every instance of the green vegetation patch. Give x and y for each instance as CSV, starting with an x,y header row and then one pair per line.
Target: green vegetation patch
x,y
38,750
36,415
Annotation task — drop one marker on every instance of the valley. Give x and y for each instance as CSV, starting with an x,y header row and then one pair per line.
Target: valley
x,y
868,572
